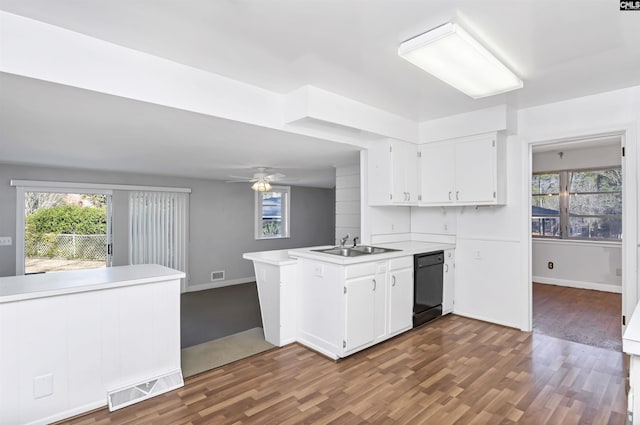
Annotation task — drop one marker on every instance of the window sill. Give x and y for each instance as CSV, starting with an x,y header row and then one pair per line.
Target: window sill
x,y
577,242
270,238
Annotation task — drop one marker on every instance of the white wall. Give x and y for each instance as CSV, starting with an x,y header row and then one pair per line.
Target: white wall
x,y
591,157
578,264
347,202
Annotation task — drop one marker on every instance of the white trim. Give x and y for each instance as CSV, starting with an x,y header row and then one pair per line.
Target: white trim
x,y
485,319
594,286
213,285
577,242
285,211
20,223
93,186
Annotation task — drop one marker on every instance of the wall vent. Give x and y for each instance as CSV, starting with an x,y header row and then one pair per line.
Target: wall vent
x,y
215,276
127,396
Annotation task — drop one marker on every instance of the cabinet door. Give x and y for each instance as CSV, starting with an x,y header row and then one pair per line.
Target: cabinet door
x,y
475,164
359,314
437,173
404,172
400,300
448,282
411,172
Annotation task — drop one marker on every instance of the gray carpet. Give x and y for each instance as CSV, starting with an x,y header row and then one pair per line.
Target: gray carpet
x,y
216,313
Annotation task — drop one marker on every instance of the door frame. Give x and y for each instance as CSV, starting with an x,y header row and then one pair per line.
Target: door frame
x,y
627,134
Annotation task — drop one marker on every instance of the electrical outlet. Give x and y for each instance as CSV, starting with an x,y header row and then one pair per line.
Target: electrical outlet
x,y
550,265
5,241
318,270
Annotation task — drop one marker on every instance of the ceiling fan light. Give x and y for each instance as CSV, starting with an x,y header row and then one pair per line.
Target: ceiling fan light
x,y
450,54
261,186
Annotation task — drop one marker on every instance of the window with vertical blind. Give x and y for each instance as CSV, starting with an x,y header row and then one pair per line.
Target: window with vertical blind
x,y
158,228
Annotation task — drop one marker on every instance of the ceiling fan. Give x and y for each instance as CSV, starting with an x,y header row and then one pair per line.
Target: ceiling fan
x,y
261,179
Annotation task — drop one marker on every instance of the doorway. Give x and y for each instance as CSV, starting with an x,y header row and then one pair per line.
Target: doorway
x,y
576,240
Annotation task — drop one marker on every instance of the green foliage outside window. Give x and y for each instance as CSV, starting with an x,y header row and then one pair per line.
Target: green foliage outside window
x,y
69,219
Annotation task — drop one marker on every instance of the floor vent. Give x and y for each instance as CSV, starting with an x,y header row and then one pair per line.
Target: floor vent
x,y
215,276
127,396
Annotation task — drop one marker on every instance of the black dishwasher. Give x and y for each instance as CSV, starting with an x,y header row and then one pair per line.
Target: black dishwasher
x,y
427,287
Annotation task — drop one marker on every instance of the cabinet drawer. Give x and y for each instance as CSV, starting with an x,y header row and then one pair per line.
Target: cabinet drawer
x,y
365,269
401,263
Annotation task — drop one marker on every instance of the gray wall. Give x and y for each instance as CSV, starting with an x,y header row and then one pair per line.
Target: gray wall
x,y
221,218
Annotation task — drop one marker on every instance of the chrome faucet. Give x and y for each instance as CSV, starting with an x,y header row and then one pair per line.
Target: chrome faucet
x,y
355,241
344,240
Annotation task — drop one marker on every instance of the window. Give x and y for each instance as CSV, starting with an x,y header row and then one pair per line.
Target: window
x,y
61,226
272,213
577,204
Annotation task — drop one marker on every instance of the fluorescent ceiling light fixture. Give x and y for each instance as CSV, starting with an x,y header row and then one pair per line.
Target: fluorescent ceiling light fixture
x,y
449,53
261,186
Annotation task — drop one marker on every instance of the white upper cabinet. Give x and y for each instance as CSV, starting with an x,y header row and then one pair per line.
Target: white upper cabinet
x,y
437,172
393,173
469,171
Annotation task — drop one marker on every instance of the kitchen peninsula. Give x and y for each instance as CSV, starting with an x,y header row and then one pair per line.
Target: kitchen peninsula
x,y
343,304
69,338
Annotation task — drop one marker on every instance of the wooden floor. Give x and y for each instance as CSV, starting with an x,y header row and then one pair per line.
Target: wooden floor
x,y
452,371
578,315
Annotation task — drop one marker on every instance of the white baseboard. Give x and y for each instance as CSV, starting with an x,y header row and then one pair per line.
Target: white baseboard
x,y
485,319
605,287
222,283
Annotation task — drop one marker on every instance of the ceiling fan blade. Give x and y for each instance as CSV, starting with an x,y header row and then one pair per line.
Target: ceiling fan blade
x,y
273,177
241,177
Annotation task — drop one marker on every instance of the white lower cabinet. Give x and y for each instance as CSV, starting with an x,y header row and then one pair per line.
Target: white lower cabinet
x,y
400,295
360,300
448,276
344,309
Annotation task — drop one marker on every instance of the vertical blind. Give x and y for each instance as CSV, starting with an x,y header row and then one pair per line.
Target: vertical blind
x,y
158,228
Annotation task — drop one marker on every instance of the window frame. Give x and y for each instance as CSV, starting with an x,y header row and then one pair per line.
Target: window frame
x,y
564,196
285,205
52,188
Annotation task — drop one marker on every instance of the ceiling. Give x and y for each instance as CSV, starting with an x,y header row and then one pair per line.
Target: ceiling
x,y
560,49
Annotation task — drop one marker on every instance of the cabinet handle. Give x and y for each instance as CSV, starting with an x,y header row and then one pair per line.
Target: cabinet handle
x,y
393,280
446,268
449,195
374,284
457,193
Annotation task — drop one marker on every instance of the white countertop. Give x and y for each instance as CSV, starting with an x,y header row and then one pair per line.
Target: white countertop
x,y
631,337
405,248
17,288
276,258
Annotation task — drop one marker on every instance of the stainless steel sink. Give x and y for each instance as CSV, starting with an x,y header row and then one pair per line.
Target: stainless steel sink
x,y
373,249
355,251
